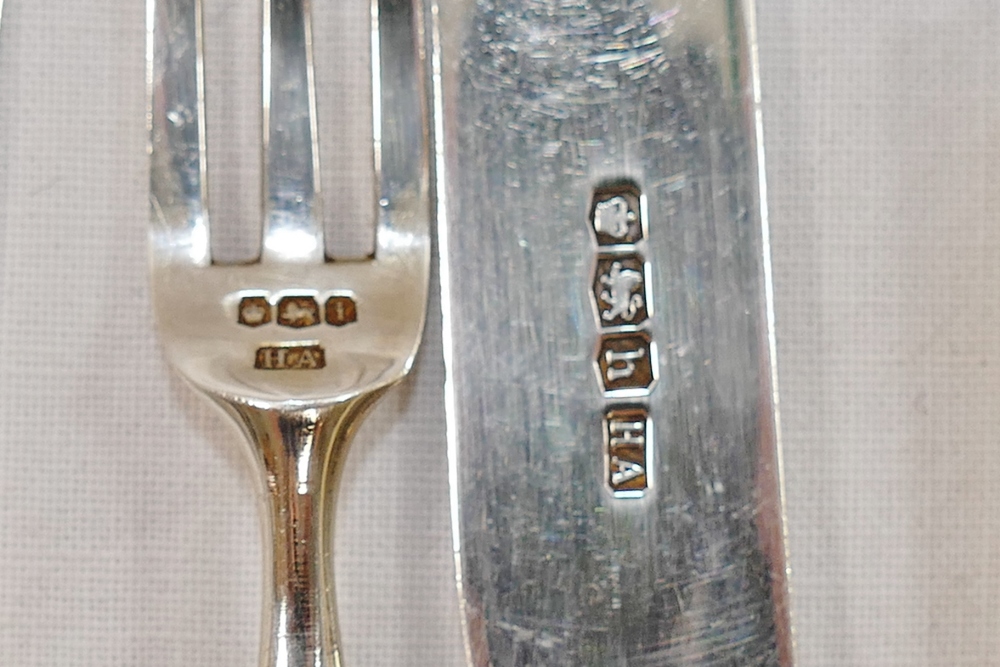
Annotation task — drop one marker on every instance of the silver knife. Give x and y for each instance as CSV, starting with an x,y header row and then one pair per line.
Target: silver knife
x,y
609,338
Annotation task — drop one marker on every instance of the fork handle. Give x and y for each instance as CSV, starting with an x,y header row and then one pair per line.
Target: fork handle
x,y
300,455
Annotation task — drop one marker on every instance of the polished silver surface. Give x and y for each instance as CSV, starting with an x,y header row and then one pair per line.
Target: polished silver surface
x,y
293,229
615,473
295,348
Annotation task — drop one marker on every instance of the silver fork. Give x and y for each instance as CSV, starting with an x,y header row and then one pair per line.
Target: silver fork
x,y
294,347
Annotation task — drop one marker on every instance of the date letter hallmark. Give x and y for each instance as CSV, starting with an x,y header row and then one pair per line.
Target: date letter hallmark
x,y
627,364
341,310
291,358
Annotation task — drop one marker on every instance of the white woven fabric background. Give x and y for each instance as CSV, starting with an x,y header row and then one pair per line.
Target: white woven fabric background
x,y
128,529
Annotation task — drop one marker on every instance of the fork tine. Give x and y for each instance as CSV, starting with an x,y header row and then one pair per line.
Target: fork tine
x,y
293,229
177,131
400,121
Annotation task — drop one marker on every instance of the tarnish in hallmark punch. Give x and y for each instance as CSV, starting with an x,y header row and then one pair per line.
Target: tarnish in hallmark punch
x,y
627,355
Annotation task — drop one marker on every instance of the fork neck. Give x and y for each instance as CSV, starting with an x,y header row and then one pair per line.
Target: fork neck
x,y
300,454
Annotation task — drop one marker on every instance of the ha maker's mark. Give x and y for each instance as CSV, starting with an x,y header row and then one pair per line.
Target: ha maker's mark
x,y
626,360
290,358
626,430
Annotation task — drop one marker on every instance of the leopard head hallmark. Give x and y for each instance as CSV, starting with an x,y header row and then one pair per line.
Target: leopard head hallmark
x,y
617,215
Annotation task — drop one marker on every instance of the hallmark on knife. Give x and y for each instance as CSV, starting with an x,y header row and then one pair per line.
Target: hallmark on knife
x,y
616,214
626,430
627,364
620,290
626,356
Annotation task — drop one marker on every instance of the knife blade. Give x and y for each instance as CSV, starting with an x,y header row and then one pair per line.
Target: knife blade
x,y
609,334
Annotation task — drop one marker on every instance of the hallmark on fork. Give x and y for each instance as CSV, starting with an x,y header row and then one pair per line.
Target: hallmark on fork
x,y
254,311
297,311
291,358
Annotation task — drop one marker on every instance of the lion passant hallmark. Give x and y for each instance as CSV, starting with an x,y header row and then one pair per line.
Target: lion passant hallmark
x,y
626,360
